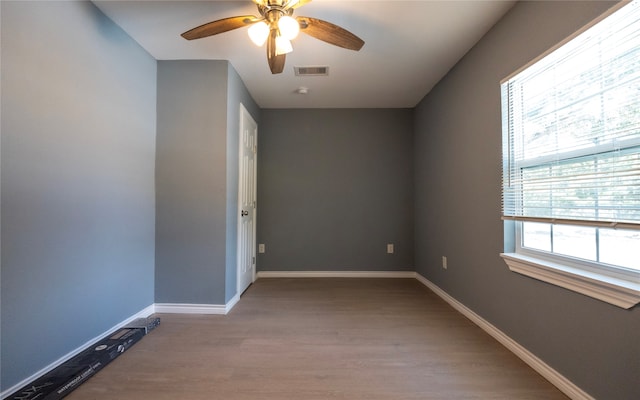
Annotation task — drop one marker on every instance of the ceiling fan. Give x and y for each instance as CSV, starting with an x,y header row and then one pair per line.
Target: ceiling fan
x,y
277,28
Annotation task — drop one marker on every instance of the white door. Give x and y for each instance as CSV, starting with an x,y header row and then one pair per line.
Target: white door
x,y
247,200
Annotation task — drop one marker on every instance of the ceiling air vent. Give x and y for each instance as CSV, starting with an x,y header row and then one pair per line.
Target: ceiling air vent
x,y
311,71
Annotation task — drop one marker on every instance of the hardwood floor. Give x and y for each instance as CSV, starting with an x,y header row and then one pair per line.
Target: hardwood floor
x,y
308,339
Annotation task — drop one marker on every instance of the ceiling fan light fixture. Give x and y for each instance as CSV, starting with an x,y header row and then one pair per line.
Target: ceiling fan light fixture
x,y
289,27
283,46
277,27
258,33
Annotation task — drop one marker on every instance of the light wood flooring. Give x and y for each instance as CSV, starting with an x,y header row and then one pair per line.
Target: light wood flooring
x,y
319,339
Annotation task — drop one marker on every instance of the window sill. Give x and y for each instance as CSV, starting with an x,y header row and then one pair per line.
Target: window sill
x,y
619,292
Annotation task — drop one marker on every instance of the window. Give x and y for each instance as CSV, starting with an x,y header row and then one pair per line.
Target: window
x,y
571,162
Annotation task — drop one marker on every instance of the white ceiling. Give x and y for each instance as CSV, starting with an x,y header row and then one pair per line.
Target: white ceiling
x,y
409,46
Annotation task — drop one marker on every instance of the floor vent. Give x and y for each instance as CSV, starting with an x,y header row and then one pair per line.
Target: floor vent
x,y
312,71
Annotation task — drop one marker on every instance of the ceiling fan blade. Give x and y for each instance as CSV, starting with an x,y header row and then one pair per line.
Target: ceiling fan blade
x,y
330,33
295,4
220,26
276,61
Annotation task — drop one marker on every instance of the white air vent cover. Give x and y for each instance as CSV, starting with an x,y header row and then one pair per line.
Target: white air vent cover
x,y
312,71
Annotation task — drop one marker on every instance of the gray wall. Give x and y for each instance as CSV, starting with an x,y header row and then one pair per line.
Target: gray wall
x,y
191,182
334,187
78,145
458,166
196,180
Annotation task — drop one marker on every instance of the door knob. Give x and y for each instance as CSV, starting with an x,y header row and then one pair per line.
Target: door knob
x,y
244,213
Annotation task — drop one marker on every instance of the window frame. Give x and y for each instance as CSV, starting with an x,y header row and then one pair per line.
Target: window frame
x,y
617,286
593,267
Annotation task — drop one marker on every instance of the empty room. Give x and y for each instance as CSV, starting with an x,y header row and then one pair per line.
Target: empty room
x,y
320,199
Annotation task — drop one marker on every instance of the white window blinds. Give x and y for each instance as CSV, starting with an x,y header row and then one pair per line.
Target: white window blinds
x,y
571,130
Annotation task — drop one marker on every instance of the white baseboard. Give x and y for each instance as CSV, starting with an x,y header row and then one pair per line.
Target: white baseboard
x,y
336,274
140,314
186,308
558,380
231,303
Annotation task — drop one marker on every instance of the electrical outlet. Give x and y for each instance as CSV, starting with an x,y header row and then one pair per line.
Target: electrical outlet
x,y
261,248
390,248
444,262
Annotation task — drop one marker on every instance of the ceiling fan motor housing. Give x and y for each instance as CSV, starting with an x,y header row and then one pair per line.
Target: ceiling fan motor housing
x,y
273,13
